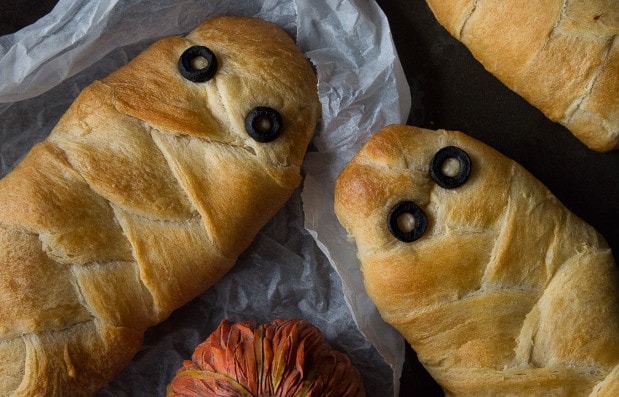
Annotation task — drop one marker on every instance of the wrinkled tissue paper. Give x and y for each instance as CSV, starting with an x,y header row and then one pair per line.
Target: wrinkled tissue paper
x,y
301,264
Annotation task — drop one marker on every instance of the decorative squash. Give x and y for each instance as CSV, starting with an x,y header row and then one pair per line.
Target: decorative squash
x,y
283,358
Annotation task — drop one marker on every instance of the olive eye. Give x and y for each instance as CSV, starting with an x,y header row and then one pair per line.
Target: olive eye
x,y
197,64
407,222
263,124
450,167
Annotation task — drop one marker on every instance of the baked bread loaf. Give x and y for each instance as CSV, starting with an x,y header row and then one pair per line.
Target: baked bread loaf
x,y
283,358
144,194
561,56
495,284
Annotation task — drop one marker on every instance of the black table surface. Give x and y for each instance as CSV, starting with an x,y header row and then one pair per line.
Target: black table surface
x,y
451,90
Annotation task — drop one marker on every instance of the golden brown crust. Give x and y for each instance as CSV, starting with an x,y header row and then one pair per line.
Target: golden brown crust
x,y
561,56
506,290
143,196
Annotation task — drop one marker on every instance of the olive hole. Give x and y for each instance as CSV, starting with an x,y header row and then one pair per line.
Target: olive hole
x,y
263,124
451,167
406,222
199,62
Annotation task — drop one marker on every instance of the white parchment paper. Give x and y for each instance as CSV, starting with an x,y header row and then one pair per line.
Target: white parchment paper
x,y
300,265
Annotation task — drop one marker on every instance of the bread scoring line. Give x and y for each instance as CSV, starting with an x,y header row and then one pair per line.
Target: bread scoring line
x,y
577,103
467,19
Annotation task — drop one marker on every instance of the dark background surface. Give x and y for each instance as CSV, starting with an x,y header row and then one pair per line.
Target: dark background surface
x,y
15,14
451,90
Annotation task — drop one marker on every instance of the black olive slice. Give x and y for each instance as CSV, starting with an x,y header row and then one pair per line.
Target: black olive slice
x,y
197,64
263,124
407,230
439,159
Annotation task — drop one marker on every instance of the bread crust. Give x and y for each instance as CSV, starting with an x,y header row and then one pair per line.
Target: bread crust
x,y
560,55
506,293
143,196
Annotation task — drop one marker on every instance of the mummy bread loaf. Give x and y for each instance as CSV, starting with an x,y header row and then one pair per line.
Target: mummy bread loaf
x,y
495,284
144,194
561,56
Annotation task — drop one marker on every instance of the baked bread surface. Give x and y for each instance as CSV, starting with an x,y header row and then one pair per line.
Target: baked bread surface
x,y
561,56
141,198
506,292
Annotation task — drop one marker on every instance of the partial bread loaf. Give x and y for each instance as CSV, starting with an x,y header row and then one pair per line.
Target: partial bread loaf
x,y
561,56
142,197
504,291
